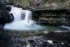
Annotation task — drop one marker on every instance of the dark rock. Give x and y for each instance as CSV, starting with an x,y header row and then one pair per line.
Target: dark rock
x,y
5,17
52,17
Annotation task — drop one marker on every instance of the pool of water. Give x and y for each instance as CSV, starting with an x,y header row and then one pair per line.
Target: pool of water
x,y
22,27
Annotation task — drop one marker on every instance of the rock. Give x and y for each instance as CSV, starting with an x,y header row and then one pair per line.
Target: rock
x,y
52,17
50,39
5,17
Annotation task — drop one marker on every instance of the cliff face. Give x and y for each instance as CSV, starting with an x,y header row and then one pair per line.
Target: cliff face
x,y
52,17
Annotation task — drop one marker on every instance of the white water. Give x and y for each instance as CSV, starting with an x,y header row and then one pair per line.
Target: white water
x,y
22,20
67,27
16,12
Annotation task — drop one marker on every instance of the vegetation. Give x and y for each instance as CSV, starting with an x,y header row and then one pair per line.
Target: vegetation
x,y
41,3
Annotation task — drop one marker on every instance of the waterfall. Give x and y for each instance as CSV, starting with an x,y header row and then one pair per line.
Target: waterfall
x,y
19,14
22,20
28,17
16,13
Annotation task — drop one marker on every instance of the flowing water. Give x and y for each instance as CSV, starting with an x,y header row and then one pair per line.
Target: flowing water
x,y
23,21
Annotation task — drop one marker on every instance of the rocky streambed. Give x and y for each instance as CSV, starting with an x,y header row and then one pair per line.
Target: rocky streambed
x,y
35,39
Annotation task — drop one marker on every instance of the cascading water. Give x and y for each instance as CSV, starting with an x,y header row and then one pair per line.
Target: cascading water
x,y
22,20
16,13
